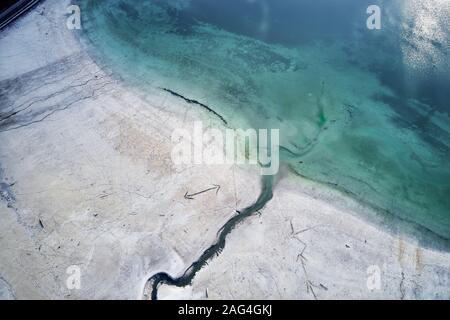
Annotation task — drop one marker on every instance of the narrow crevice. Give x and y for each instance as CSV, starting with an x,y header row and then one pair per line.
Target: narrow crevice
x,y
214,250
402,287
49,111
8,287
191,101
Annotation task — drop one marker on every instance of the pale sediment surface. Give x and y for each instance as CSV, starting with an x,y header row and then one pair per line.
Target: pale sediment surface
x,y
302,247
86,180
88,176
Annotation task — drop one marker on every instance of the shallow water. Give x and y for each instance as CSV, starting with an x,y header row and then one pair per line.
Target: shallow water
x,y
364,110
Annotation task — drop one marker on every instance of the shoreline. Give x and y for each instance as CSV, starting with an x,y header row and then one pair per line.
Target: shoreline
x,y
377,216
338,146
88,193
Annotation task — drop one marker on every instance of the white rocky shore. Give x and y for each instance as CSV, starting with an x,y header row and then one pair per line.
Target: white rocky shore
x,y
87,181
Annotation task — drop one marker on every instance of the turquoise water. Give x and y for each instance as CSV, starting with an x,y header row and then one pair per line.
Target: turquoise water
x,y
363,110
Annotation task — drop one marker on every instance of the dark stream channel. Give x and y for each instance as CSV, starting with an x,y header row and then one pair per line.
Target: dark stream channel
x,y
215,249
